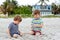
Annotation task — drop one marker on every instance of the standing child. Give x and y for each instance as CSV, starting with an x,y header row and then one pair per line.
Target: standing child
x,y
13,29
37,23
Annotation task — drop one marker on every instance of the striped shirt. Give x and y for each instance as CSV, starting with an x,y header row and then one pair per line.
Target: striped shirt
x,y
36,21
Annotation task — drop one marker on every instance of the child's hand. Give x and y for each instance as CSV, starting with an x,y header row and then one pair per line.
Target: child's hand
x,y
36,25
21,33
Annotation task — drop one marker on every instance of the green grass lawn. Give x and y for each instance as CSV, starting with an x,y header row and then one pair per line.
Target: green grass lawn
x,y
51,16
30,16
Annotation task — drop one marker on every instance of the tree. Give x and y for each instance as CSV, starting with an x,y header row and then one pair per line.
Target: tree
x,y
9,6
12,5
58,9
54,9
23,10
4,7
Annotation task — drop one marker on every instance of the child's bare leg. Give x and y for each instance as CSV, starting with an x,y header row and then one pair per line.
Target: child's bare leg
x,y
15,35
31,32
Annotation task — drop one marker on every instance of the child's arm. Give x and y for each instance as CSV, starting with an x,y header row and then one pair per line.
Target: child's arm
x,y
38,25
41,25
8,31
35,25
21,33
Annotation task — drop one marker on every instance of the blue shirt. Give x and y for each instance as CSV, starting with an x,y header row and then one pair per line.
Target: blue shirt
x,y
13,28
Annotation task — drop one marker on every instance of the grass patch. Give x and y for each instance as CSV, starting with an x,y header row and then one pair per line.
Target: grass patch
x,y
30,16
51,16
22,15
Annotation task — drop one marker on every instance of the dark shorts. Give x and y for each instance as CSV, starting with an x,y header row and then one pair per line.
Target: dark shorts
x,y
13,34
36,32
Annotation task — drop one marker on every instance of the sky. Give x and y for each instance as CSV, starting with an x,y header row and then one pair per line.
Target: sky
x,y
32,2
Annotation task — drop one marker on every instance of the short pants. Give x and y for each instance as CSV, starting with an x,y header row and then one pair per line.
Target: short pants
x,y
14,33
36,32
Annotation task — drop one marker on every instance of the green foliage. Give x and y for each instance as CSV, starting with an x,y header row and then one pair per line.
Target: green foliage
x,y
12,8
55,9
23,10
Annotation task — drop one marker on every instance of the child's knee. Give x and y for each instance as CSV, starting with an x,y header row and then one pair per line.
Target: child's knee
x,y
15,35
31,32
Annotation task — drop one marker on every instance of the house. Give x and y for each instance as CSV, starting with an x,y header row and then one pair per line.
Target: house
x,y
44,9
